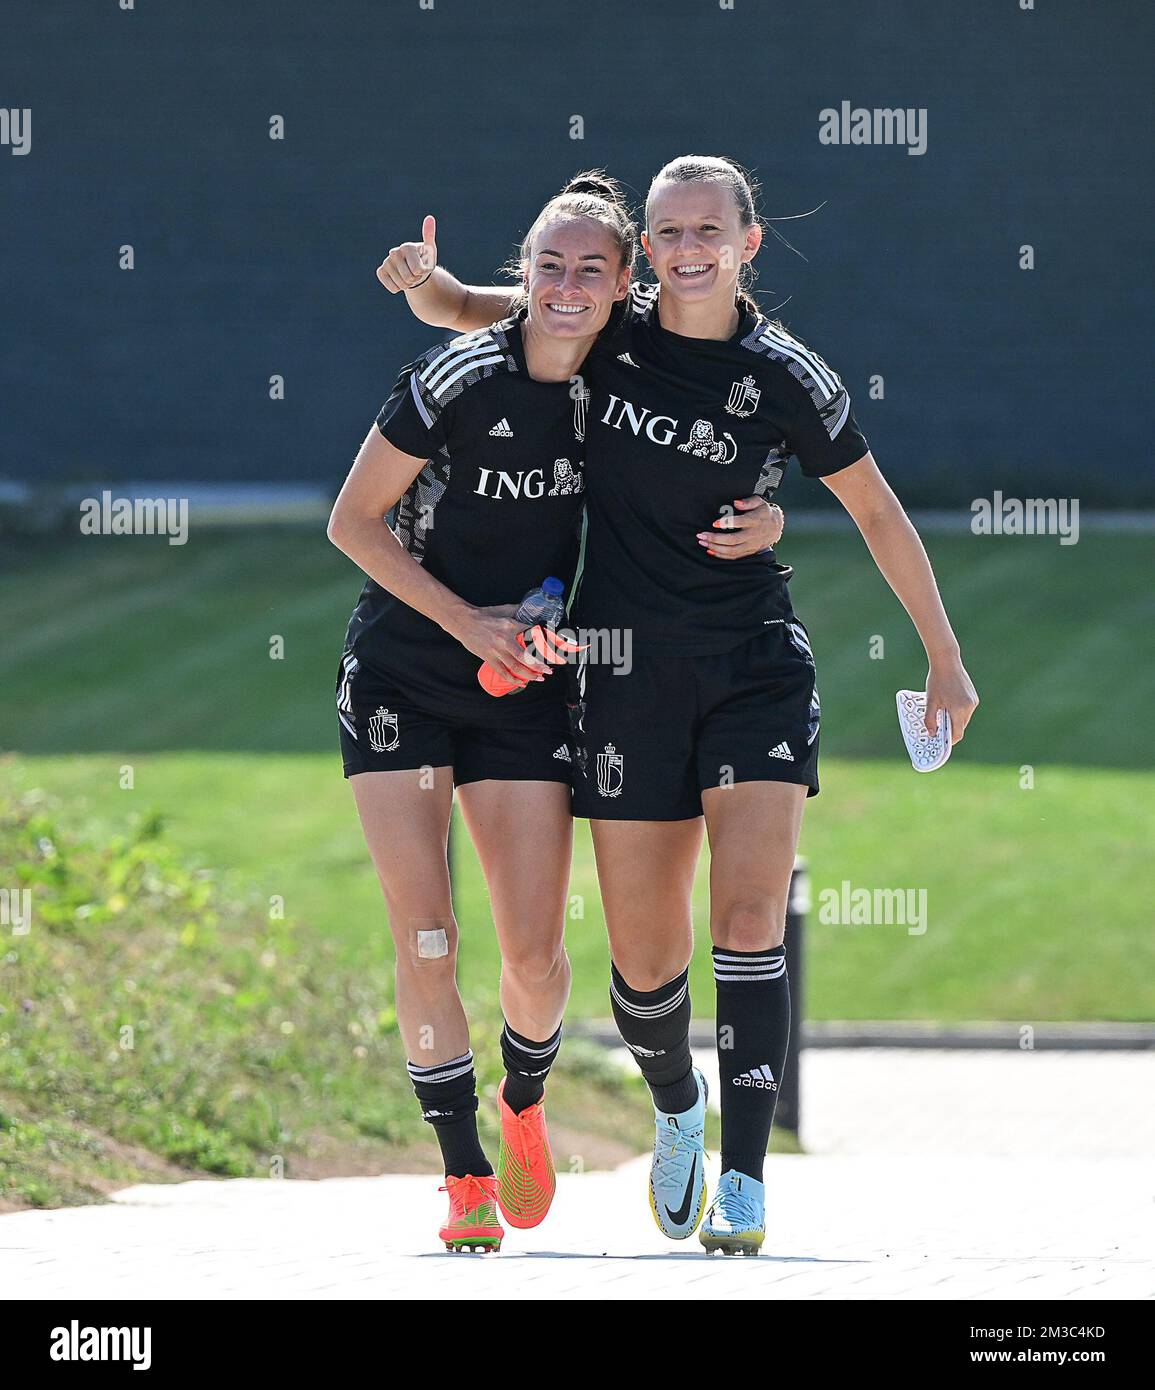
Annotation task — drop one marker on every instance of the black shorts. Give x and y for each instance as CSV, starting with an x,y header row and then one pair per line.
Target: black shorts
x,y
382,730
649,743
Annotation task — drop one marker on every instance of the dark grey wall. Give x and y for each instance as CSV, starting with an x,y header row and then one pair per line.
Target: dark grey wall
x,y
256,257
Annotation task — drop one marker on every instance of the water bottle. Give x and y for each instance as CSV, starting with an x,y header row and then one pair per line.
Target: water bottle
x,y
541,607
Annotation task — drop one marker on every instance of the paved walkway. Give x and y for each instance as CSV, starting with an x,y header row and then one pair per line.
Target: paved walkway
x,y
876,1101
945,1221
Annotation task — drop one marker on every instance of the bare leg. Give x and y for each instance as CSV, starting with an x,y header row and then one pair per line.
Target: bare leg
x,y
523,833
646,872
753,829
406,825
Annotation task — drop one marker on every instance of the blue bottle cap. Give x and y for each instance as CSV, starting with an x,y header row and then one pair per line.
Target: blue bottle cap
x,y
554,587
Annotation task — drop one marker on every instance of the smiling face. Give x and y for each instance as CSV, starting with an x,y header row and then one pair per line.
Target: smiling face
x,y
573,277
696,241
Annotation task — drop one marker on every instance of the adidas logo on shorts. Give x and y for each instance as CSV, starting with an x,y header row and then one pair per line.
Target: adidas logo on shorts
x,y
780,750
627,359
562,754
761,1078
502,429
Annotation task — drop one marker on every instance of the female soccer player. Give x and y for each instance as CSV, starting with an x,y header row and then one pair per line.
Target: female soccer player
x,y
467,451
695,396
479,451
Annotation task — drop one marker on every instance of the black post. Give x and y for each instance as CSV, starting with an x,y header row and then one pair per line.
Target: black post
x,y
788,1114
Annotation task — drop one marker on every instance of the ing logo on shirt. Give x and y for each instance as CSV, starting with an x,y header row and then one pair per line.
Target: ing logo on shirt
x,y
664,429
529,483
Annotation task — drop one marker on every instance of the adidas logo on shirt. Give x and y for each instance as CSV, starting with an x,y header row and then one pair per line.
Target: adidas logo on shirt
x,y
627,359
502,429
761,1078
781,751
562,754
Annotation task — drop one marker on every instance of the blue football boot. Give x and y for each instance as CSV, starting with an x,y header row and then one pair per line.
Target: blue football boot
x,y
736,1221
678,1170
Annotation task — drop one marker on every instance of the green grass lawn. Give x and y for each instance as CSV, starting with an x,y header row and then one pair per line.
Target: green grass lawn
x,y
1038,907
155,1025
128,644
119,651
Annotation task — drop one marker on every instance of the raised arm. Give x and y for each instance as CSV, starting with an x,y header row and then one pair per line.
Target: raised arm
x,y
380,475
899,554
433,294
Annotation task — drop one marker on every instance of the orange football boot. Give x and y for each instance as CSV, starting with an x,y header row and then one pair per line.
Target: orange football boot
x,y
526,1181
472,1223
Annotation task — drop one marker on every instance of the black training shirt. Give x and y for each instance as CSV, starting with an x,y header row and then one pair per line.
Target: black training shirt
x,y
678,429
495,510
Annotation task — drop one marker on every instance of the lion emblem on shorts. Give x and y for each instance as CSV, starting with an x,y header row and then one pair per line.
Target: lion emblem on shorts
x,y
567,480
703,445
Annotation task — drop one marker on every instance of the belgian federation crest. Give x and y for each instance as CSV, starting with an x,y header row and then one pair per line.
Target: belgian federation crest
x,y
383,732
744,397
581,399
610,771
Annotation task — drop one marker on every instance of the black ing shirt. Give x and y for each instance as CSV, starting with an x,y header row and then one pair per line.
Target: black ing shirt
x,y
679,428
496,509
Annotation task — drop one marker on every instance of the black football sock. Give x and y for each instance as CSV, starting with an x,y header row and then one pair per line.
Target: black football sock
x,y
448,1095
527,1065
753,1033
655,1026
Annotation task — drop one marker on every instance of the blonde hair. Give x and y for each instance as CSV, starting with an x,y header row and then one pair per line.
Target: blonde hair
x,y
712,168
